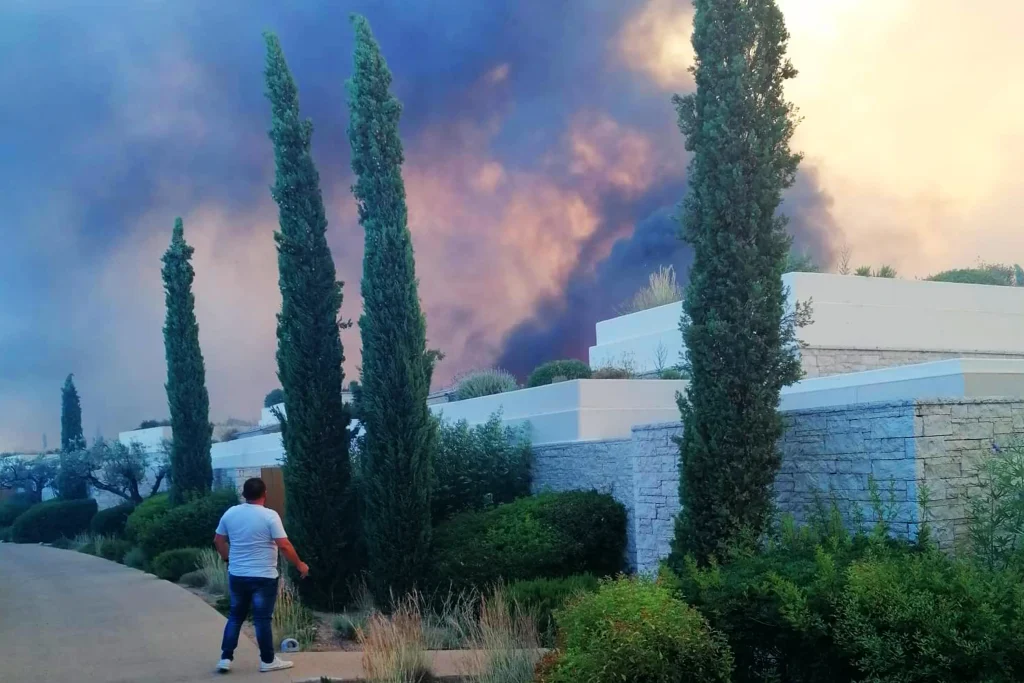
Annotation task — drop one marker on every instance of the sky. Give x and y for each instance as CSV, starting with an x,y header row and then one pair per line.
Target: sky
x,y
543,169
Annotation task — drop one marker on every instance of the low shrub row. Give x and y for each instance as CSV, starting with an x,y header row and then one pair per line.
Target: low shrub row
x,y
189,525
549,535
111,521
49,521
172,564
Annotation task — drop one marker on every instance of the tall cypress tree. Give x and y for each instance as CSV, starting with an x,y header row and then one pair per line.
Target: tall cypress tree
x,y
189,403
71,435
70,481
396,368
740,343
317,472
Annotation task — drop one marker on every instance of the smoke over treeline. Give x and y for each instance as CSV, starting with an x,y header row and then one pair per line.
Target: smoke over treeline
x,y
543,174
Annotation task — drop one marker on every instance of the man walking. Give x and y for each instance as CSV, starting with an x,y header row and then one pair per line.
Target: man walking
x,y
248,538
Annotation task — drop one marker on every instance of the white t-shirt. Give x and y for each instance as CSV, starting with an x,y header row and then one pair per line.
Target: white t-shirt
x,y
251,530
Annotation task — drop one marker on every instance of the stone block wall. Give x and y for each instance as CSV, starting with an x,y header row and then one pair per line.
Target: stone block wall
x,y
234,477
904,446
821,362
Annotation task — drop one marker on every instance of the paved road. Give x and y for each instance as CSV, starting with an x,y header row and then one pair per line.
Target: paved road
x,y
65,616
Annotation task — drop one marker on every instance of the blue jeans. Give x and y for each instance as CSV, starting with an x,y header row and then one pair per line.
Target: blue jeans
x,y
261,594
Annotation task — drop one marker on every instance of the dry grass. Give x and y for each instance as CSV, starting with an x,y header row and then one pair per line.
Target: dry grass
x,y
291,618
662,288
394,649
504,642
214,571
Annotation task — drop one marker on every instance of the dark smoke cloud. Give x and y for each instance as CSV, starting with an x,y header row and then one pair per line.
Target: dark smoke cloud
x,y
119,116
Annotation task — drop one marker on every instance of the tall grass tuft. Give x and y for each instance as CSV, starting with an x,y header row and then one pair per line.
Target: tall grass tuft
x,y
662,288
504,642
214,571
291,618
484,383
394,650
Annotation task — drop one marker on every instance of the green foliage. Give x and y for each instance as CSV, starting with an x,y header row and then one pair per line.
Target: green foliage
x,y
612,373
189,525
863,271
564,369
12,508
662,288
741,345
549,535
542,597
317,468
273,398
484,383
635,630
72,479
135,558
150,424
396,366
145,516
193,579
671,373
478,467
71,437
191,467
5,534
995,511
800,262
46,522
114,549
985,274
171,564
883,271
111,521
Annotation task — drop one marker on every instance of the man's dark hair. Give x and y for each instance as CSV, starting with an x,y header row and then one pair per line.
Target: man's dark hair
x,y
253,489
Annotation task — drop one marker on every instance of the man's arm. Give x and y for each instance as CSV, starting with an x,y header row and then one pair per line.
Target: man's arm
x,y
288,550
220,542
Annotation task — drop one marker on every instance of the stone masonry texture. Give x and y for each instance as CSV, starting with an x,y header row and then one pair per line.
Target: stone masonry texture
x,y
821,361
829,454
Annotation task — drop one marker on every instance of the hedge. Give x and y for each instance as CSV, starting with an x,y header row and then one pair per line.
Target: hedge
x,y
145,514
558,369
189,525
46,522
543,536
111,521
172,564
13,508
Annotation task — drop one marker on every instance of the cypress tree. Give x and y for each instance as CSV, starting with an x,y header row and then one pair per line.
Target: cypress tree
x,y
397,368
71,435
189,403
317,472
70,481
740,342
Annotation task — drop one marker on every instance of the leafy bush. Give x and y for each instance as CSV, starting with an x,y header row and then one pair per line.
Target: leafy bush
x,y
671,373
193,579
135,558
189,525
995,511
274,397
984,274
564,369
145,515
478,467
111,521
542,597
612,373
171,564
150,424
113,549
484,383
635,630
662,288
46,522
12,508
548,535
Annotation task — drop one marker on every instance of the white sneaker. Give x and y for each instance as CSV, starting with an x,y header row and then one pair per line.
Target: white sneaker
x,y
224,666
277,665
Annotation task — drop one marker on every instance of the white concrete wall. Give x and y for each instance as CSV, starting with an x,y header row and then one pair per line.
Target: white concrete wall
x,y
265,450
267,417
150,439
850,313
595,409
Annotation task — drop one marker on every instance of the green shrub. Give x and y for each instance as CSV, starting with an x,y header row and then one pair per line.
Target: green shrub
x,y
635,630
193,579
11,509
548,535
564,369
612,373
542,597
671,373
135,558
984,274
5,534
171,564
478,467
114,549
145,514
111,521
273,397
189,525
484,383
46,522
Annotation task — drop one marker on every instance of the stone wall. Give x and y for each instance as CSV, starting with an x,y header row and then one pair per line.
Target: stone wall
x,y
234,477
821,362
904,446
